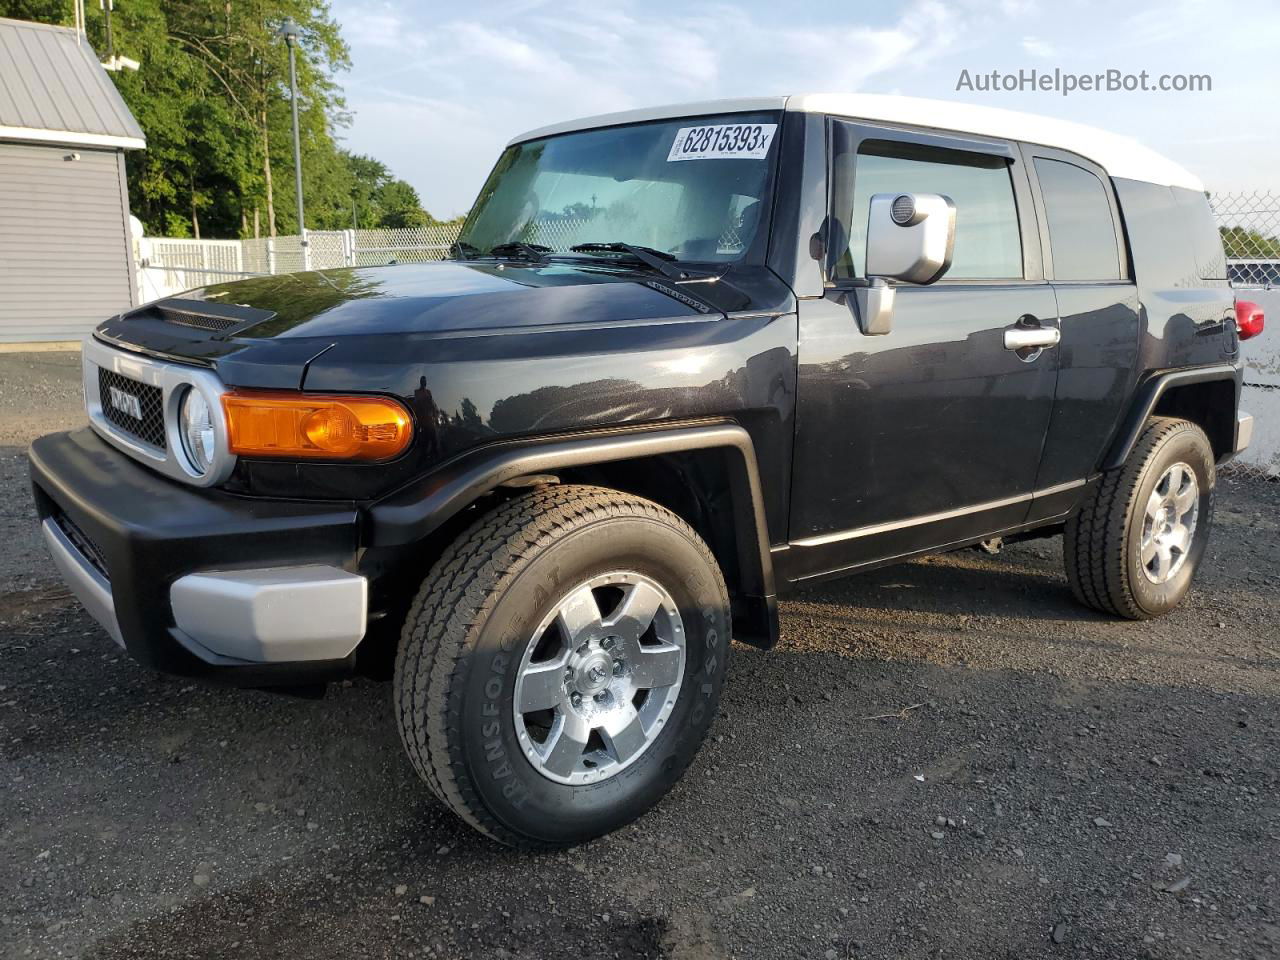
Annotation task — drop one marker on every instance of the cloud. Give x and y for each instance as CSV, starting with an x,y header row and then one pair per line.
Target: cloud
x,y
1038,48
553,61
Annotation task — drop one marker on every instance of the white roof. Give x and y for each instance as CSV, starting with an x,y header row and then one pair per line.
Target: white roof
x,y
1119,155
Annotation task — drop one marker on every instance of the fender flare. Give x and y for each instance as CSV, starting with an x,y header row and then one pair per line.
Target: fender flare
x,y
414,512
1146,397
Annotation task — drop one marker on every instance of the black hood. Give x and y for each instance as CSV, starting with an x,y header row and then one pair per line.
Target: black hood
x,y
449,296
263,331
440,297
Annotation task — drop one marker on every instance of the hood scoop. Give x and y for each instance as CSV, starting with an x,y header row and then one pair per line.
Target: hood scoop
x,y
218,318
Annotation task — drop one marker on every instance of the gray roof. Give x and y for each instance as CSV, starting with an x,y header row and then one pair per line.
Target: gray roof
x,y
53,90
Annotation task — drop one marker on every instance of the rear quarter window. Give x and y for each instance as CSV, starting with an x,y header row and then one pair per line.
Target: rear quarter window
x,y
1206,241
1172,237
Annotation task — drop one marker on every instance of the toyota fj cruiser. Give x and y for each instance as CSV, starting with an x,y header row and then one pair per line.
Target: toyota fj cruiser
x,y
679,359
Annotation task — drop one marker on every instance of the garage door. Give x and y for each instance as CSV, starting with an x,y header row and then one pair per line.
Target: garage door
x,y
64,256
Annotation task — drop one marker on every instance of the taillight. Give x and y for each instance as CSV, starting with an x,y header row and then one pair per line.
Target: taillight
x,y
1249,319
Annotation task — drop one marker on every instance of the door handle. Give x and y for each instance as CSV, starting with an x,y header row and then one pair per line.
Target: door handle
x,y
1031,338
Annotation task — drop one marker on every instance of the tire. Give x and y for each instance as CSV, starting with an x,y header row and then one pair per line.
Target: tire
x,y
1114,563
498,606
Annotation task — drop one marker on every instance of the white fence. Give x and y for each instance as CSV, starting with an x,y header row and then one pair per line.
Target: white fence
x,y
167,266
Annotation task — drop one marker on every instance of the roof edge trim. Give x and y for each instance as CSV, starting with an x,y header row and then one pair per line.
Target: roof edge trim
x,y
69,138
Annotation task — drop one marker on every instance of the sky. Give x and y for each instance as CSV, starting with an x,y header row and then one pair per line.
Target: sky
x,y
438,88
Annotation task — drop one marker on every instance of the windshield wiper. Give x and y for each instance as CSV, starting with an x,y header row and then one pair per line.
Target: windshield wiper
x,y
518,249
658,260
461,250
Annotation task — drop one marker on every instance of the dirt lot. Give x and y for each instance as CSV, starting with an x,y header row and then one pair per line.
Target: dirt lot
x,y
944,759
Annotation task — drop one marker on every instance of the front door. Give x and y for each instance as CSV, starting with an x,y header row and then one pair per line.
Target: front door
x,y
932,434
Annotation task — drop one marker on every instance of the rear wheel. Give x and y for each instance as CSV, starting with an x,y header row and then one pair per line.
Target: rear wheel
x,y
562,664
1133,548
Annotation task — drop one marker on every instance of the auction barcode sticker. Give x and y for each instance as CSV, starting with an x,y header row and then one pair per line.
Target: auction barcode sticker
x,y
745,141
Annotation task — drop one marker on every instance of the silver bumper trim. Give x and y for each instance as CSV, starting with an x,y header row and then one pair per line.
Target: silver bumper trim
x,y
273,614
1244,430
90,587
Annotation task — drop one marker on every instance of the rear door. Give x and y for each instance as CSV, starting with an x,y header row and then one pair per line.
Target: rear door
x,y
931,434
1087,264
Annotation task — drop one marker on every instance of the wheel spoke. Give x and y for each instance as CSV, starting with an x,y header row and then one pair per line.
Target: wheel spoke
x,y
636,612
1185,498
1180,538
542,686
564,745
1149,549
1164,559
579,614
623,735
656,666
1154,503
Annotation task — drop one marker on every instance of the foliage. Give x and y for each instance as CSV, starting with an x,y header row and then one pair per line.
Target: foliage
x,y
380,200
212,97
1243,243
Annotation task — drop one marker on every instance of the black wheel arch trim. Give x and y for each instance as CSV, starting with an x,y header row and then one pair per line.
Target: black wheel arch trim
x,y
414,512
1147,396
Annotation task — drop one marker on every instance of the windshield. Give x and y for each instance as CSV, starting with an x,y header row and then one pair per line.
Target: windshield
x,y
697,189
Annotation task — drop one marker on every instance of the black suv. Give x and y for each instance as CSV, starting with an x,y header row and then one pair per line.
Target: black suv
x,y
679,359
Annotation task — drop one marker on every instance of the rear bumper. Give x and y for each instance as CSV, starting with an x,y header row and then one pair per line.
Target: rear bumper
x,y
198,582
1244,430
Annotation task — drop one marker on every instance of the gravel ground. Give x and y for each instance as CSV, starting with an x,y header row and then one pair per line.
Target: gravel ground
x,y
943,759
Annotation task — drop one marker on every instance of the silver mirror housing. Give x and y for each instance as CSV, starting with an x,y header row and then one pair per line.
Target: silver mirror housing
x,y
910,236
874,303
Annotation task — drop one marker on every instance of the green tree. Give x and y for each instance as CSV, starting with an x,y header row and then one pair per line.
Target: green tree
x,y
1241,242
380,200
212,97
399,206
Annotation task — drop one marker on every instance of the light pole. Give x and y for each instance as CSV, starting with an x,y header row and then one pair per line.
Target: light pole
x,y
289,30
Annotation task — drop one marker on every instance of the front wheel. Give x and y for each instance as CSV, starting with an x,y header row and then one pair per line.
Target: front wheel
x,y
1134,546
562,664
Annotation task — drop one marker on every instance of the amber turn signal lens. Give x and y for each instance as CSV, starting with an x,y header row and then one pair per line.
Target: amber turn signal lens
x,y
280,424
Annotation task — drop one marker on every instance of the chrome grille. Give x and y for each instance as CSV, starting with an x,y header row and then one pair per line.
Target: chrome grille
x,y
142,411
149,426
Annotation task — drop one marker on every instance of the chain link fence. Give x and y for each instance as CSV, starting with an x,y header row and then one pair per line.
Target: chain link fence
x,y
1249,222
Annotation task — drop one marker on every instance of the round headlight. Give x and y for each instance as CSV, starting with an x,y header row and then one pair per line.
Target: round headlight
x,y
195,423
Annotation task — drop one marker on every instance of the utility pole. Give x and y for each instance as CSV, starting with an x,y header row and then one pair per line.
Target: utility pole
x,y
289,30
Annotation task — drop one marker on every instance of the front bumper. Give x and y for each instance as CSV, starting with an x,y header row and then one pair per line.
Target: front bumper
x,y
199,582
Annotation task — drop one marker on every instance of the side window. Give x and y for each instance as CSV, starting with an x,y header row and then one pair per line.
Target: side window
x,y
1082,234
988,245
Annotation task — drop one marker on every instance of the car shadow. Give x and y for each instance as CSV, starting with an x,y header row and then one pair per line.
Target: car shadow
x,y
1011,584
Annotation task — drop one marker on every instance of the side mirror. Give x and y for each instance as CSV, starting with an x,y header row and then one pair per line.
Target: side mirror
x,y
910,238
